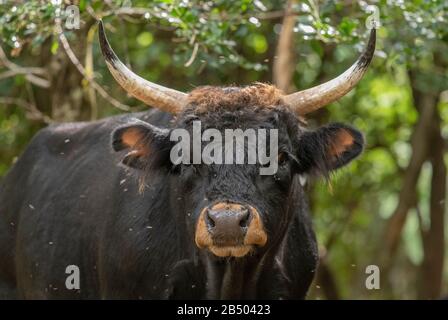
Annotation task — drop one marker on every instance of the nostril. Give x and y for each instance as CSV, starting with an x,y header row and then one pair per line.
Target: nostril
x,y
244,220
209,220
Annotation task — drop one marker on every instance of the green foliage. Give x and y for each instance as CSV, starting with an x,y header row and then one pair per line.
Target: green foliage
x,y
212,25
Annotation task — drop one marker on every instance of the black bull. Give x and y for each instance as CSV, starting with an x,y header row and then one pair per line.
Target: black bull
x,y
68,201
106,198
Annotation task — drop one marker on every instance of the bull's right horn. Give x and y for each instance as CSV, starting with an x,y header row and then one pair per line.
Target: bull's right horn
x,y
154,95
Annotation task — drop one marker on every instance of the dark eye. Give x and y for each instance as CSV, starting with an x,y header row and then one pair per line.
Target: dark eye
x,y
189,169
282,157
189,176
186,170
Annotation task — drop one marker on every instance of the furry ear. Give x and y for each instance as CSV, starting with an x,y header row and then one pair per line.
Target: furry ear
x,y
143,141
329,148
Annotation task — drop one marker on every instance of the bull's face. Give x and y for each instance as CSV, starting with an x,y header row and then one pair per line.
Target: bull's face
x,y
231,209
234,208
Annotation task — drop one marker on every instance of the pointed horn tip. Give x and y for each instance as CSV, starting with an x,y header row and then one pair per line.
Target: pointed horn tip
x,y
106,50
369,51
101,32
100,25
372,40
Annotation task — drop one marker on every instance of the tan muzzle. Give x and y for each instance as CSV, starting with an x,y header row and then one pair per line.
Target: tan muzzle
x,y
230,229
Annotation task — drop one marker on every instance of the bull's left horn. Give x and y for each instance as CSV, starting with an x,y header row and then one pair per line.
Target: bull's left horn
x,y
309,100
165,99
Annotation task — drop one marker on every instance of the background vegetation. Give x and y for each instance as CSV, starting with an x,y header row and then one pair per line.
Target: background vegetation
x,y
388,208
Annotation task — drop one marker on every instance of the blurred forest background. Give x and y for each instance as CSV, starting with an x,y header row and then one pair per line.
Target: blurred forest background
x,y
388,208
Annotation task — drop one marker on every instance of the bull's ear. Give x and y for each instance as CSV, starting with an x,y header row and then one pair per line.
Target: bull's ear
x,y
328,148
144,142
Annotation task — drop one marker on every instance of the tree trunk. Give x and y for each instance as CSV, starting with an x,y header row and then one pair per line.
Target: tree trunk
x,y
426,105
325,278
434,238
427,144
284,63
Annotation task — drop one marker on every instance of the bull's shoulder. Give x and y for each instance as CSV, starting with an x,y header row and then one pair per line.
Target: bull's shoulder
x,y
87,128
56,138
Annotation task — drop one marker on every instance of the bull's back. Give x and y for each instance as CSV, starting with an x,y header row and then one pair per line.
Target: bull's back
x,y
58,204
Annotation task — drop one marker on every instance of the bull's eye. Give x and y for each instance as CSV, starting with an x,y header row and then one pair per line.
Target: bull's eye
x,y
188,172
282,157
190,169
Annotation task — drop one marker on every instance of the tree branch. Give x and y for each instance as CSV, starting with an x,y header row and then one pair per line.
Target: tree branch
x,y
29,72
284,64
31,109
82,71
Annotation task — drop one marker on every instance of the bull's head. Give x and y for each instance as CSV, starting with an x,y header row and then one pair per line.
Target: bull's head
x,y
231,209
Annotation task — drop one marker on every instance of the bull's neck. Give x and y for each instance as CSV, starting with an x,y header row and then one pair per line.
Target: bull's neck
x,y
239,278
235,278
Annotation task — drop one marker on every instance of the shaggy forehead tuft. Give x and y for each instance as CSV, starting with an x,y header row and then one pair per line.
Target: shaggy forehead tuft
x,y
259,95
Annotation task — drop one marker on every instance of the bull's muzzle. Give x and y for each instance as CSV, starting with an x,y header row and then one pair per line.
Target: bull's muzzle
x,y
230,229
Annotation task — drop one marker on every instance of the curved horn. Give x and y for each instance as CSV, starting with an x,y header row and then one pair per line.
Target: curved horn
x,y
157,96
311,99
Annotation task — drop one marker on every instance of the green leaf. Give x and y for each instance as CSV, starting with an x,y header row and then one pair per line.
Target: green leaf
x,y
54,47
145,39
